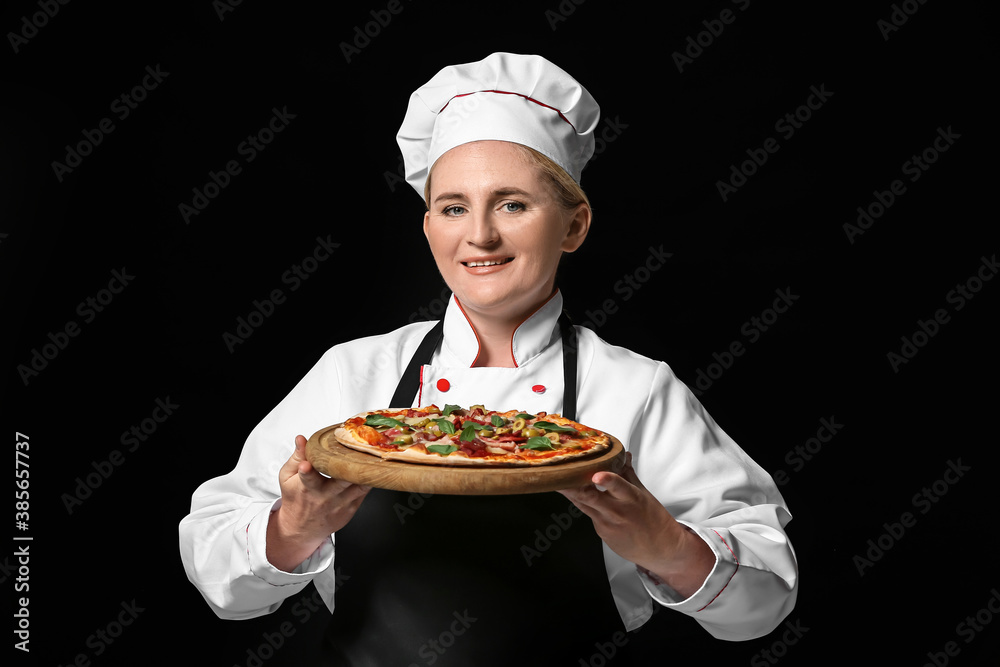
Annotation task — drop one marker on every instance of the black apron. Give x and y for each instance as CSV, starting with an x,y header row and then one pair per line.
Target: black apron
x,y
471,580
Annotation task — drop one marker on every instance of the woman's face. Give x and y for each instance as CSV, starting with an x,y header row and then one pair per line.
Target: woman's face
x,y
496,230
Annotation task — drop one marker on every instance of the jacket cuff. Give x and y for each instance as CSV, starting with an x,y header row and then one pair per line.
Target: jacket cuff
x,y
726,565
256,554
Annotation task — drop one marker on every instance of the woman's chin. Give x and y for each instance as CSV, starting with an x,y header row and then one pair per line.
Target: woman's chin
x,y
505,305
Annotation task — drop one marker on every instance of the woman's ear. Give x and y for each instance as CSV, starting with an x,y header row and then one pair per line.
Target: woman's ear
x,y
427,219
579,225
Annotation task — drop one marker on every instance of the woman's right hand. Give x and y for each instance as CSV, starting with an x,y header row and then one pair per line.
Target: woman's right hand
x,y
312,508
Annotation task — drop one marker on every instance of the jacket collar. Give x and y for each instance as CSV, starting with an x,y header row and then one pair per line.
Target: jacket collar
x,y
532,336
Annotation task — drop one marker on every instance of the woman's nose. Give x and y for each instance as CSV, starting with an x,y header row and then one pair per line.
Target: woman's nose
x,y
483,230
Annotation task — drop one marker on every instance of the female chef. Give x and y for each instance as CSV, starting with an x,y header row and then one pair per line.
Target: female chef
x,y
496,148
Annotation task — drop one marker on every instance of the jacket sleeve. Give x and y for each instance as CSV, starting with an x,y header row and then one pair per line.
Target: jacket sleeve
x,y
222,540
713,487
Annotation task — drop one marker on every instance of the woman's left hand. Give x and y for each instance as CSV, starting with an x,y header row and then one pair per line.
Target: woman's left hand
x,y
634,524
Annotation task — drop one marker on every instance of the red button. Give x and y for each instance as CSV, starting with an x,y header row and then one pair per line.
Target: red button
x,y
538,389
443,385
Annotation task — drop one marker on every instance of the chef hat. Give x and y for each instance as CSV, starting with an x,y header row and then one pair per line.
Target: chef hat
x,y
524,99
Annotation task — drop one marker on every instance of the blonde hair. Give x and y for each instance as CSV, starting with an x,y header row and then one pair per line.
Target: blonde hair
x,y
567,191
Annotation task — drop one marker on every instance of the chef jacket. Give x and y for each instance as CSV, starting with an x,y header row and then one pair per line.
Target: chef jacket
x,y
679,453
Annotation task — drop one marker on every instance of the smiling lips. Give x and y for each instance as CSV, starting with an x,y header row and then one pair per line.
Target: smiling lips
x,y
487,265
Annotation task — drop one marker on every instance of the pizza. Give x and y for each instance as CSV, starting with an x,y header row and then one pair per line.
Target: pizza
x,y
470,437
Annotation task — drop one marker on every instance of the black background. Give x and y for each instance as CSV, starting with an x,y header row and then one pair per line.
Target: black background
x,y
332,173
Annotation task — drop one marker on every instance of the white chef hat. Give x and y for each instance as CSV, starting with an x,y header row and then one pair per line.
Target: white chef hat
x,y
524,99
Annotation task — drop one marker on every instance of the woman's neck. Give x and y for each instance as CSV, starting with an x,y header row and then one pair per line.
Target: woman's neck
x,y
495,334
495,343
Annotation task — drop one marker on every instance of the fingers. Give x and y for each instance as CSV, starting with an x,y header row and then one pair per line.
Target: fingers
x,y
608,491
590,499
355,495
616,487
310,478
314,482
627,474
300,448
348,490
314,505
299,466
294,464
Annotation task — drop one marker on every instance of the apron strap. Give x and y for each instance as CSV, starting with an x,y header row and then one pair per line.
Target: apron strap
x,y
409,382
569,343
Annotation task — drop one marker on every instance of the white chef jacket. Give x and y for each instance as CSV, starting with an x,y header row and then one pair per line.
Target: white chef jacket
x,y
679,453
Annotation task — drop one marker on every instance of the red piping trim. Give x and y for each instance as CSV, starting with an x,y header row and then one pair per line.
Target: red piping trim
x,y
250,565
507,92
512,357
420,391
731,576
479,344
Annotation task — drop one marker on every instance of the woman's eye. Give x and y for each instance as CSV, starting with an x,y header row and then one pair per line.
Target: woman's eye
x,y
513,207
454,210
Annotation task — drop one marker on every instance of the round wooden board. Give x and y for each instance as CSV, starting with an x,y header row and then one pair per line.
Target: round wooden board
x,y
331,458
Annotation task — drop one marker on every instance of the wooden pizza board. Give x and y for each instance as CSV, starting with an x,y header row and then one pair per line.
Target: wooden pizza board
x,y
331,458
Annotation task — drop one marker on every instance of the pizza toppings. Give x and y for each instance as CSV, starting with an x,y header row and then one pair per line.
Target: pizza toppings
x,y
474,435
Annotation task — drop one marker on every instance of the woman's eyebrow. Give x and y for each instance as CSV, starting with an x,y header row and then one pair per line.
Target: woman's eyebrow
x,y
506,192
501,192
448,195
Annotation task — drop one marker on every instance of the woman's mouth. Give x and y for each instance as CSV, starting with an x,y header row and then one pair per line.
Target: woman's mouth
x,y
480,266
488,262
